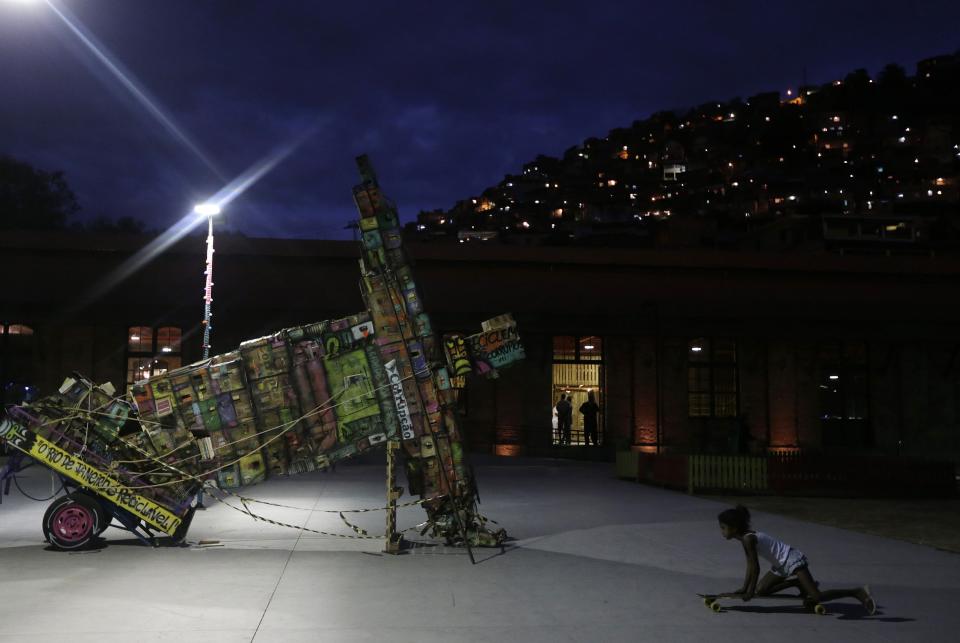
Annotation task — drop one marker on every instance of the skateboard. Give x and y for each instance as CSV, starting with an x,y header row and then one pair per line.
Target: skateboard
x,y
712,601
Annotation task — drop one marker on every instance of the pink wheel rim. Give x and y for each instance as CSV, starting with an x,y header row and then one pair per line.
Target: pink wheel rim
x,y
72,523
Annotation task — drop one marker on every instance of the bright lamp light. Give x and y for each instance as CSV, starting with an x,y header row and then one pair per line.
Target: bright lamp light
x,y
206,209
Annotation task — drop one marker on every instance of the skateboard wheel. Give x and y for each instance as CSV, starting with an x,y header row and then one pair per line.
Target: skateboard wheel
x,y
819,609
708,602
715,607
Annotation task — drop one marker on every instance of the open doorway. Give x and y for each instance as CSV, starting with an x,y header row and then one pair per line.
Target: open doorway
x,y
577,370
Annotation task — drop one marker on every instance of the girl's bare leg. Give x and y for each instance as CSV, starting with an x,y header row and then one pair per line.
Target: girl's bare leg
x,y
813,593
781,585
770,584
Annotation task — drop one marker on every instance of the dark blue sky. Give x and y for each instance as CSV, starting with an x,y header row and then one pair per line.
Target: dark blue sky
x,y
445,97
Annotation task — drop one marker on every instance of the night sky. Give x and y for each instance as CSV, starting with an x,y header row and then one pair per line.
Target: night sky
x,y
445,97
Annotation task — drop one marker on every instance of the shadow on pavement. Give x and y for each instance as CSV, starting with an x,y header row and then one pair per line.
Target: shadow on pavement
x,y
842,611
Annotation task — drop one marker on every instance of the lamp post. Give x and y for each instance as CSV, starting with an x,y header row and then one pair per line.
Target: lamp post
x,y
208,210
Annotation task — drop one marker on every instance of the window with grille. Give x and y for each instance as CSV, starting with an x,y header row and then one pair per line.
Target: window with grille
x,y
570,348
843,380
712,389
168,339
151,352
140,339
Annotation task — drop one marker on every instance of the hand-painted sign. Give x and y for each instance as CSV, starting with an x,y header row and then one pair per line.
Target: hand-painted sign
x,y
403,410
496,348
49,454
456,351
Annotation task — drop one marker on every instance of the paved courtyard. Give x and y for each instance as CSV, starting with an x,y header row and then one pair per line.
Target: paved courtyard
x,y
594,559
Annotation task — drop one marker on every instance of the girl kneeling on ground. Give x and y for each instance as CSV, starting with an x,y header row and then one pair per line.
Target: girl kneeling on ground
x,y
790,567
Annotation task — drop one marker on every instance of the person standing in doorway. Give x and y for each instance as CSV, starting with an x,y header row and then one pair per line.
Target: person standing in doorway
x,y
564,418
589,410
555,425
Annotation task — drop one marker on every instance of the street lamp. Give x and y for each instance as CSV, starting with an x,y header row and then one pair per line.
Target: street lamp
x,y
208,210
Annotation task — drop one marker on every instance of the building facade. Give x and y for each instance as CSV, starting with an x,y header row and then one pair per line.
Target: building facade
x,y
686,351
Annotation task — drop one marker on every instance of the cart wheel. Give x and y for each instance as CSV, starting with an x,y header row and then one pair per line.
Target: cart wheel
x,y
103,517
69,524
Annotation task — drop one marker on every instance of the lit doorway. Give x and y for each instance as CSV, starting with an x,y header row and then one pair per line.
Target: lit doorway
x,y
577,370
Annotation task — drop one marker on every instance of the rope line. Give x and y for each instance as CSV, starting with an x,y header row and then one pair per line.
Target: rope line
x,y
361,534
250,500
16,482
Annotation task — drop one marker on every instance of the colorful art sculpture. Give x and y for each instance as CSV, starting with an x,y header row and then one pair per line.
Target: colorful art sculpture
x,y
295,401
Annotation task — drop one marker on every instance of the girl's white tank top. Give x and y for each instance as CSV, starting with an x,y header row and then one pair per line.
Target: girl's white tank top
x,y
773,550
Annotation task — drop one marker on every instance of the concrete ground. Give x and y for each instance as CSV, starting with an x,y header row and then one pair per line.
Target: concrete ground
x,y
594,559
